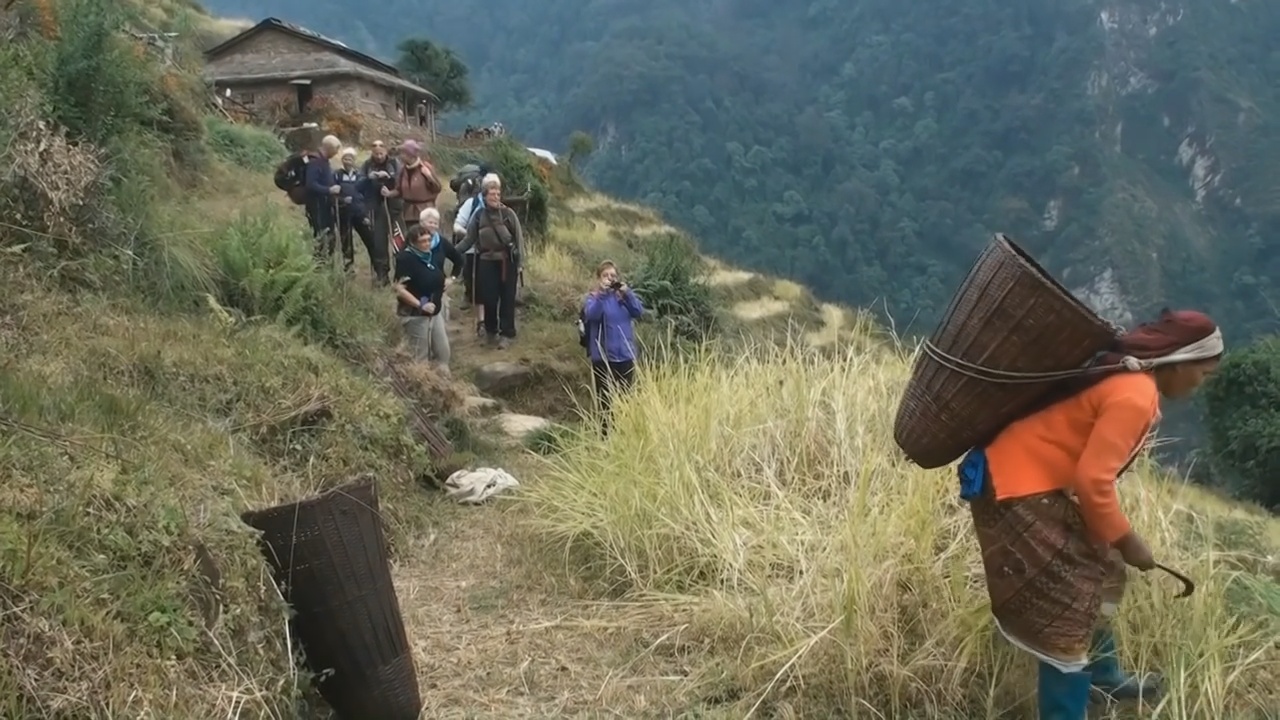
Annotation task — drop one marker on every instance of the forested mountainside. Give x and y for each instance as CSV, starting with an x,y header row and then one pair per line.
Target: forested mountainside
x,y
868,148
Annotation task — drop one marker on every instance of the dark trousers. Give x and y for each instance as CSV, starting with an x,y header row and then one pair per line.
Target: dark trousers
x,y
386,218
377,253
320,218
469,277
611,378
495,286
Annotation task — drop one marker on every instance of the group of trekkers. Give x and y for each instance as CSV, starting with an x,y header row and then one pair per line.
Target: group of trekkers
x,y
391,204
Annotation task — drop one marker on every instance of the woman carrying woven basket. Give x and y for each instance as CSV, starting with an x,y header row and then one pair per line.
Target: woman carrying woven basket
x,y
1054,539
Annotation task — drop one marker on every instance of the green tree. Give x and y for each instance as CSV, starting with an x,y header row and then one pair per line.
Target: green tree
x,y
438,69
1243,406
581,145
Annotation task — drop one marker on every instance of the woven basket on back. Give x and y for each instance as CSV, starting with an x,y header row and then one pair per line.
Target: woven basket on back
x,y
1009,315
329,557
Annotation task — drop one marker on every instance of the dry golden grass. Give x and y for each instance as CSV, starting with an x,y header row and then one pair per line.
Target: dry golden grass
x,y
725,276
834,319
760,308
821,575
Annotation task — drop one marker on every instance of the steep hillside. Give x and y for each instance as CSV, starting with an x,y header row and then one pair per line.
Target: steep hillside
x,y
169,356
868,148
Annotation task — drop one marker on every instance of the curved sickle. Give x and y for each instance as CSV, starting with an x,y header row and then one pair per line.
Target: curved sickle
x,y
1188,585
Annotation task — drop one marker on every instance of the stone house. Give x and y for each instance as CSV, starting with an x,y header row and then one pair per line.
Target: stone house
x,y
277,67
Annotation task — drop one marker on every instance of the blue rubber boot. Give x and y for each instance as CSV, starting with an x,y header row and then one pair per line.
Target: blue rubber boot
x,y
1062,696
1110,681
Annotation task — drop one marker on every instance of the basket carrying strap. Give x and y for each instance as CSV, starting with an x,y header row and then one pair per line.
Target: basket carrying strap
x,y
1209,347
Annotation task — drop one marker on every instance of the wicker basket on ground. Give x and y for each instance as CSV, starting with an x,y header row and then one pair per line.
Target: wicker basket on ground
x,y
329,557
1010,334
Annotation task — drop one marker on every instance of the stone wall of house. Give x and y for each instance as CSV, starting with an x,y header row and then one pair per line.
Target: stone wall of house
x,y
266,100
356,94
361,96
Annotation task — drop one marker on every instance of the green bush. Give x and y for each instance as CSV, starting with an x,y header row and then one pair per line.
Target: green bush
x,y
1243,412
264,269
244,146
116,135
99,89
671,280
519,172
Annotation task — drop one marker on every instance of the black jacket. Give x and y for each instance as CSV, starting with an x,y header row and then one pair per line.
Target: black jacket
x,y
423,279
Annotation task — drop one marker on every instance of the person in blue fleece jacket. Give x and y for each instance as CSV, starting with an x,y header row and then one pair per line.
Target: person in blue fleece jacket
x,y
609,316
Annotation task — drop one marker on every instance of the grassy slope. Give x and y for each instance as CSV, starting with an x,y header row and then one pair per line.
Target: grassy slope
x,y
746,534
210,416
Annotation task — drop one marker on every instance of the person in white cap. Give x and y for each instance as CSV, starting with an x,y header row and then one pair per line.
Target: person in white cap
x,y
353,217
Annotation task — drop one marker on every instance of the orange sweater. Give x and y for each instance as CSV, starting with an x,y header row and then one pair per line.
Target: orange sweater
x,y
1079,444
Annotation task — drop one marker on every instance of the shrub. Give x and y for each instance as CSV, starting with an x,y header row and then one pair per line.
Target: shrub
x,y
93,134
244,146
99,88
518,169
1243,407
672,283
265,269
758,510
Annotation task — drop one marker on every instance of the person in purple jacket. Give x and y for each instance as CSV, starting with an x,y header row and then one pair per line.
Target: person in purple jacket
x,y
608,317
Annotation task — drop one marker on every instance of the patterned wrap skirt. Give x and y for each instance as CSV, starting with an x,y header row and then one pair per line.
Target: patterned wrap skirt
x,y
1045,576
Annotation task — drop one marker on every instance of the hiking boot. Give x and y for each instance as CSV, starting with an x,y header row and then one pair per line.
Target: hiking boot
x,y
491,339
1109,681
504,343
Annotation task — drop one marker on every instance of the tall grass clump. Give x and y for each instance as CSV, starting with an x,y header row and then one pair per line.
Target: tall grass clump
x,y
244,146
761,502
672,282
265,269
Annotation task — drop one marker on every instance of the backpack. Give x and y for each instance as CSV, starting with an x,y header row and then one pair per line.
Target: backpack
x,y
582,329
465,174
291,176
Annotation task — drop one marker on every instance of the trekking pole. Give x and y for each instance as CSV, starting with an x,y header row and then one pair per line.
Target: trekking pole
x,y
386,213
335,229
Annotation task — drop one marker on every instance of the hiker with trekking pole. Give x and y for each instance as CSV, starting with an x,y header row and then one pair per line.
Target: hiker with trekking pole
x,y
384,207
416,185
322,191
353,219
470,188
494,230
